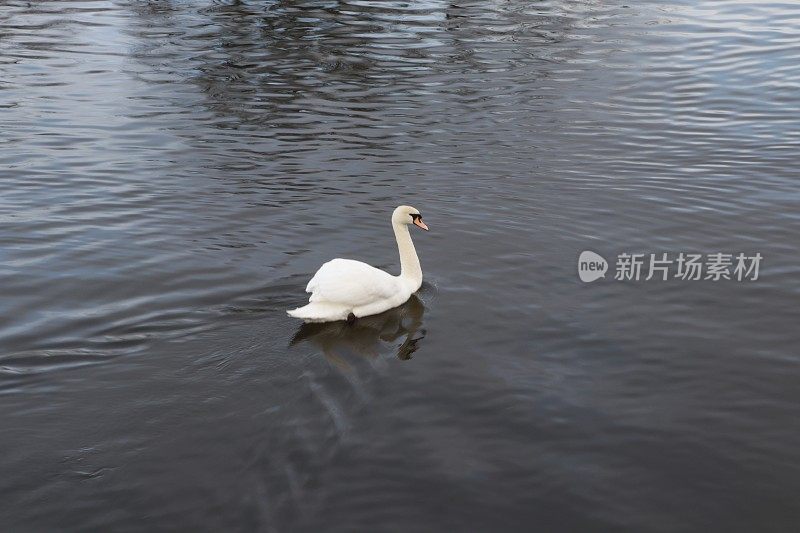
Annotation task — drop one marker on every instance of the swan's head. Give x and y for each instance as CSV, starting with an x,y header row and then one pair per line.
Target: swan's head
x,y
405,214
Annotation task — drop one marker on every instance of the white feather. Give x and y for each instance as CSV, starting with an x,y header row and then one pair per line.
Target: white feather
x,y
351,282
344,286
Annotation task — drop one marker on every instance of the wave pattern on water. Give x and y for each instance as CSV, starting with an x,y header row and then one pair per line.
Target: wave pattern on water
x,y
174,171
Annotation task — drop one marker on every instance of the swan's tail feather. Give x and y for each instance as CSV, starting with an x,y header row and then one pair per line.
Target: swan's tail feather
x,y
320,312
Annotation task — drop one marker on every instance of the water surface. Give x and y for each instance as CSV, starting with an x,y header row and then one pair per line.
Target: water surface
x,y
173,172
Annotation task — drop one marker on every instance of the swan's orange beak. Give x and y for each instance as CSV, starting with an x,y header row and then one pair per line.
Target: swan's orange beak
x,y
418,222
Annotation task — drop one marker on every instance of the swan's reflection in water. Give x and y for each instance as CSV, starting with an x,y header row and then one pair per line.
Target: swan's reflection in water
x,y
368,336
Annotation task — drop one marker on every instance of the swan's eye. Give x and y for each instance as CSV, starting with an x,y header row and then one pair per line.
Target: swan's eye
x,y
416,216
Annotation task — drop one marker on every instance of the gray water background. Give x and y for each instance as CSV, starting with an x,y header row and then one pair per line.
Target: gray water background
x,y
173,172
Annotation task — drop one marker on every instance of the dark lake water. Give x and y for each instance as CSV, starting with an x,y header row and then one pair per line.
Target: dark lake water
x,y
173,172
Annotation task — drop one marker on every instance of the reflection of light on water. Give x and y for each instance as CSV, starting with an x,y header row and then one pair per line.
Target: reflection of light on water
x,y
368,336
402,25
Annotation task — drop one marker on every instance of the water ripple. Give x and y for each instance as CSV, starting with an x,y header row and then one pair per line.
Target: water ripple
x,y
173,172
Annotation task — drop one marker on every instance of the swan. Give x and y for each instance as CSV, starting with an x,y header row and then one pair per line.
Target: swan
x,y
344,289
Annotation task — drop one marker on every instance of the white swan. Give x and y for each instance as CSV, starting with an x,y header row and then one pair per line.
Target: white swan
x,y
343,289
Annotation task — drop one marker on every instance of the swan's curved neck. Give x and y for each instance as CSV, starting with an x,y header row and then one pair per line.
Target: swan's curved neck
x,y
410,268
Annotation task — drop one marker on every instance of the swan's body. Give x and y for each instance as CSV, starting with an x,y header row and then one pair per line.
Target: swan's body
x,y
342,288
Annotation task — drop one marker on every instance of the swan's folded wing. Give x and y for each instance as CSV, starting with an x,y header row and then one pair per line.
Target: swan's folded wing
x,y
350,282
